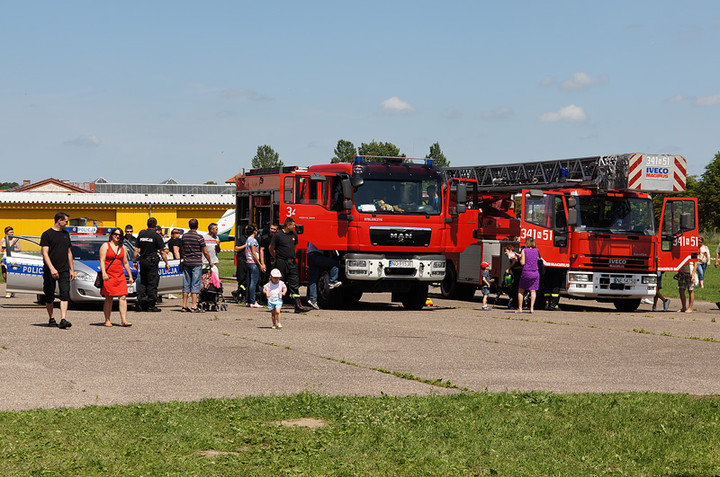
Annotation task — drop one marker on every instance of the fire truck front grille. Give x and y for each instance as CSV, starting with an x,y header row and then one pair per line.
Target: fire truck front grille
x,y
409,272
618,262
400,236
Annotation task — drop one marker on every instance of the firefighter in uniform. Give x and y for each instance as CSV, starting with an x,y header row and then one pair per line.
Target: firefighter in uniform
x,y
282,248
149,244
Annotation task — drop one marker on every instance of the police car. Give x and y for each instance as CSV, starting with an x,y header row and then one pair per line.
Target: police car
x,y
25,267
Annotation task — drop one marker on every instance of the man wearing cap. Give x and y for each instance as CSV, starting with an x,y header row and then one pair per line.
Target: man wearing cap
x,y
282,248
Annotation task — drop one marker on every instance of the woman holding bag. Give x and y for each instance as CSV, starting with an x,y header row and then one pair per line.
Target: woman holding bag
x,y
113,264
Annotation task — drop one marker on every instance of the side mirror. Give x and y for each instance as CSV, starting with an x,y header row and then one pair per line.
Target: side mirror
x,y
461,193
357,181
347,204
572,217
572,211
347,189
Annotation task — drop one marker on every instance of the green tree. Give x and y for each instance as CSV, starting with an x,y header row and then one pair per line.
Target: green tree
x,y
374,148
436,154
8,185
344,152
266,157
707,195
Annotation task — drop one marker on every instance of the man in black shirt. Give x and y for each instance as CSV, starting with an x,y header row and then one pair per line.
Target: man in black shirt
x,y
58,267
149,245
282,248
265,257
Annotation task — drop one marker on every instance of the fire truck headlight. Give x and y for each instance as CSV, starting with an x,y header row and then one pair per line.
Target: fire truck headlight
x,y
356,264
579,277
438,265
650,280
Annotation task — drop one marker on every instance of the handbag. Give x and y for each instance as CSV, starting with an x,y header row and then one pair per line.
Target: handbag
x,y
99,278
541,265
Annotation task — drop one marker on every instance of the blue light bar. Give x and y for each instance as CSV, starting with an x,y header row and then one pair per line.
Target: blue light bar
x,y
357,159
428,162
88,230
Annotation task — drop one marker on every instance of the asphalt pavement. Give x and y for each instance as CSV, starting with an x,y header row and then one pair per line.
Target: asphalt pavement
x,y
376,348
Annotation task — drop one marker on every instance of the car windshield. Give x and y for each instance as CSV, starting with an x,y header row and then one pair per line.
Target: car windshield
x,y
616,214
399,197
86,249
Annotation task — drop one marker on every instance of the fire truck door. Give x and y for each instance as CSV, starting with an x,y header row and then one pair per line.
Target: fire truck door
x,y
678,233
312,207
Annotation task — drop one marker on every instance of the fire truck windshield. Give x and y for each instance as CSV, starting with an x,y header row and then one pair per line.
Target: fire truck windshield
x,y
414,197
615,214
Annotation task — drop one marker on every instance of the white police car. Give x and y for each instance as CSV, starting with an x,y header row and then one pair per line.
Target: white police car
x,y
25,267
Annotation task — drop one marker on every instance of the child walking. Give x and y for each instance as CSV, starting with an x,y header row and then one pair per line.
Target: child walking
x,y
274,290
485,285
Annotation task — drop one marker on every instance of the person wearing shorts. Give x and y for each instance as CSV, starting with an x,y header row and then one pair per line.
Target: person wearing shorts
x,y
686,282
192,251
58,268
274,290
485,285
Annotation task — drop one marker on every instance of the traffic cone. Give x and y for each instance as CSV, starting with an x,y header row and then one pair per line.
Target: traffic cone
x,y
428,302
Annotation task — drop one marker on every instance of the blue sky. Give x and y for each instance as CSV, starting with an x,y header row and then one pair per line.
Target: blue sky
x,y
143,91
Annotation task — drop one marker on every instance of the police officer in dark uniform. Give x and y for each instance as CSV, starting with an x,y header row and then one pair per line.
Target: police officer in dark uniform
x,y
282,248
149,244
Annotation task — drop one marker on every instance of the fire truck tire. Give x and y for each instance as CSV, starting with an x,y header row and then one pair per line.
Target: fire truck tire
x,y
627,305
416,298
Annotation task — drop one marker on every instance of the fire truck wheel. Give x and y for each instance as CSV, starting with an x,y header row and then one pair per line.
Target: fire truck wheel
x,y
627,305
417,296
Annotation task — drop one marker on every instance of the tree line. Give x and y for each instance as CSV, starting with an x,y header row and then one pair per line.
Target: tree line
x,y
345,151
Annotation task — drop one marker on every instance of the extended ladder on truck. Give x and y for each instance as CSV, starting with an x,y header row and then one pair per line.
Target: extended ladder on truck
x,y
635,171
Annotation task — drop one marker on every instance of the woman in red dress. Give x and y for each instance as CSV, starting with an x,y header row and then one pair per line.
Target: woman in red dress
x,y
113,263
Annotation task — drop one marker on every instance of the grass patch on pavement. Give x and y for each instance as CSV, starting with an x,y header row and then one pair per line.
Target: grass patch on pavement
x,y
467,434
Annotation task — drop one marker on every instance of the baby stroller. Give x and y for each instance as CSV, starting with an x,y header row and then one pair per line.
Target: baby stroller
x,y
211,292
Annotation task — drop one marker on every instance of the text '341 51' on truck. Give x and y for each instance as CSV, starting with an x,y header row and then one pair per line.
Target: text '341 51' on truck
x,y
592,220
383,219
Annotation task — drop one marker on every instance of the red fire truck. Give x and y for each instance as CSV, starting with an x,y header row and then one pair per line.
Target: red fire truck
x,y
592,219
380,217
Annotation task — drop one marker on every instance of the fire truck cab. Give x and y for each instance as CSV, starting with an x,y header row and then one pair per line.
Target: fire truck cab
x,y
592,220
380,218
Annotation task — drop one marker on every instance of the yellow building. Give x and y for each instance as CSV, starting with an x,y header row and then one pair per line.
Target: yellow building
x,y
31,213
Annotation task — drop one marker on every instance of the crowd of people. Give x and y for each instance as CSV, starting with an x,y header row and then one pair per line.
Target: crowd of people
x,y
266,266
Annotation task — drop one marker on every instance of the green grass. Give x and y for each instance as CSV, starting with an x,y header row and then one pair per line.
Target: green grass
x,y
467,434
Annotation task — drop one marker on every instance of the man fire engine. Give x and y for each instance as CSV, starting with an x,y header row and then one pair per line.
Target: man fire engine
x,y
592,219
379,217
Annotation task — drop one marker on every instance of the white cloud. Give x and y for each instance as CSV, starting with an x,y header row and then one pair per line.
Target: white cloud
x,y
581,81
500,113
678,98
570,114
396,105
87,140
708,100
